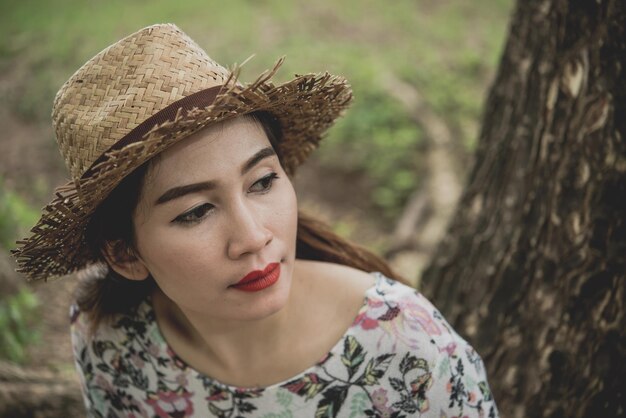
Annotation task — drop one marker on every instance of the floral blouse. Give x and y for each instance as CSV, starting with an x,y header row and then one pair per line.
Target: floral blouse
x,y
399,358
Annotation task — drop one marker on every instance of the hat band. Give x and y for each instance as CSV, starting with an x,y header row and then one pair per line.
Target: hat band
x,y
200,99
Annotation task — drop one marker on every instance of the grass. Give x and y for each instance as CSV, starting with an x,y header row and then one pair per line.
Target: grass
x,y
16,216
18,312
18,317
447,49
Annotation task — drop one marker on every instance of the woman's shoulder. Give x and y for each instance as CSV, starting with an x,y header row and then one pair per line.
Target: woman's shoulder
x,y
327,283
375,303
330,271
113,330
339,278
399,322
400,345
407,318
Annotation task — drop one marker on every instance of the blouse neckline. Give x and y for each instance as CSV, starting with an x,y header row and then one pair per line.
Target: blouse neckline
x,y
336,349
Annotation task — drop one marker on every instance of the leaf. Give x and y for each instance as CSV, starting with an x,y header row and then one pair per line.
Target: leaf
x,y
99,347
132,326
214,392
248,393
459,367
375,369
138,378
420,385
283,398
396,384
484,389
391,313
15,313
423,405
215,411
406,405
358,403
331,402
411,362
246,407
120,381
13,347
444,367
405,363
421,364
353,355
103,367
308,385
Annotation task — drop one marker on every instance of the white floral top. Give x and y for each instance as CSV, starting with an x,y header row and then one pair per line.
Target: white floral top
x,y
399,358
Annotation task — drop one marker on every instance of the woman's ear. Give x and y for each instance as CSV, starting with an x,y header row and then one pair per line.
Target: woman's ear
x,y
124,261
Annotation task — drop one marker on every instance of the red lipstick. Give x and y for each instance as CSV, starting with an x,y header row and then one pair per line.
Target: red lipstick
x,y
259,279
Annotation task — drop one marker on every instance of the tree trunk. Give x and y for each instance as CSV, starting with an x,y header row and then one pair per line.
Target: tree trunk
x,y
533,266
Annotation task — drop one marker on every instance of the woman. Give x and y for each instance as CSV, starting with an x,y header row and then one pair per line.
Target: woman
x,y
217,298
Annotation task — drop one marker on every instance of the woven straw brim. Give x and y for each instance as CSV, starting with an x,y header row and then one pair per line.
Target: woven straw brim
x,y
305,108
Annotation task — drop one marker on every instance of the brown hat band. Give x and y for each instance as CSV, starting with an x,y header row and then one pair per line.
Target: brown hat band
x,y
200,99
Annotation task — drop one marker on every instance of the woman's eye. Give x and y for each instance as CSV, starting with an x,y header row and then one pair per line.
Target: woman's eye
x,y
194,215
264,184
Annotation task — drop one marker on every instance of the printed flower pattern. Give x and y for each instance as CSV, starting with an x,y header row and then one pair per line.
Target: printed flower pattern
x,y
398,359
171,404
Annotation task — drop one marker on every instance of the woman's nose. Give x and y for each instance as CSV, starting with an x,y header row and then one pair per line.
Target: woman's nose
x,y
248,233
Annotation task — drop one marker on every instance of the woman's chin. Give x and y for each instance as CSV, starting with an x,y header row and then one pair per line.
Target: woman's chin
x,y
267,302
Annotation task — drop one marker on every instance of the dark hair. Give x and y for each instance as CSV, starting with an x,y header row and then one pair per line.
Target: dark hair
x,y
101,293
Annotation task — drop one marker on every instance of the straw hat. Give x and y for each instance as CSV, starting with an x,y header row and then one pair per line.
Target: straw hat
x,y
136,98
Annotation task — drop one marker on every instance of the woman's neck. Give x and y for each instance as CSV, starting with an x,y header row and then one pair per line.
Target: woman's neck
x,y
268,350
234,344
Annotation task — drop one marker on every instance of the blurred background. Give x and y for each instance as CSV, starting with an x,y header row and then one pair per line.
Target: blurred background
x,y
387,175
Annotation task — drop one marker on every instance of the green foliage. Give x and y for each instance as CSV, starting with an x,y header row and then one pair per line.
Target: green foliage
x,y
18,314
15,217
377,138
447,50
40,89
358,404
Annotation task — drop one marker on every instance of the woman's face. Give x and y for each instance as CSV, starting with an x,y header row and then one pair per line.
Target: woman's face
x,y
214,208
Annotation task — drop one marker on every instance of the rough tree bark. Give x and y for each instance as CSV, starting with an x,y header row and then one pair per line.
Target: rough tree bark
x,y
533,266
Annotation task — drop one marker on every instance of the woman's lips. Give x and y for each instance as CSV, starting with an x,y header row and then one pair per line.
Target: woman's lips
x,y
259,280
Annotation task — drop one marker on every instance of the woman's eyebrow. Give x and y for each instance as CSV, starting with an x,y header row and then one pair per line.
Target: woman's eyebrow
x,y
256,158
179,191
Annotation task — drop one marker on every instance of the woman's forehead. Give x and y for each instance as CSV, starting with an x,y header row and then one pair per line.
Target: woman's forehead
x,y
215,151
